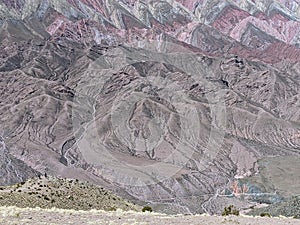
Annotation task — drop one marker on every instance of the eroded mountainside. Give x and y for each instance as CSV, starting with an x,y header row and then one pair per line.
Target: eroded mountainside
x,y
176,103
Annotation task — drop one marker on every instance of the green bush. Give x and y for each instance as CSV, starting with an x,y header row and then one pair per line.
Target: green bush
x,y
263,214
112,208
230,210
147,208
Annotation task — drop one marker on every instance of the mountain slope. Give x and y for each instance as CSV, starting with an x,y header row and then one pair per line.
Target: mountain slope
x,y
166,102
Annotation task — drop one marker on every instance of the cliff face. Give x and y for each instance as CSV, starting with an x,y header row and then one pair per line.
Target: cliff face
x,y
168,102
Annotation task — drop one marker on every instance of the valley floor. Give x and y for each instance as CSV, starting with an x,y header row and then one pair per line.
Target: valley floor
x,y
14,215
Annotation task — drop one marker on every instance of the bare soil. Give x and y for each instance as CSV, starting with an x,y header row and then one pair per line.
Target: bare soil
x,y
14,215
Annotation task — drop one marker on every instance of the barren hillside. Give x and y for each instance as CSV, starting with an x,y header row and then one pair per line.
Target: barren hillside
x,y
189,106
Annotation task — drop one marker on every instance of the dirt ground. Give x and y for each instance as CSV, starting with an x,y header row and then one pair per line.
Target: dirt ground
x,y
13,215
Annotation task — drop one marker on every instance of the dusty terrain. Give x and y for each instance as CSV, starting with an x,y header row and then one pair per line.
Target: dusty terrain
x,y
13,215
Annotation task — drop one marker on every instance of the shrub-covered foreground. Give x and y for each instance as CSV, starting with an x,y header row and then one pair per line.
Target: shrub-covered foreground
x,y
48,192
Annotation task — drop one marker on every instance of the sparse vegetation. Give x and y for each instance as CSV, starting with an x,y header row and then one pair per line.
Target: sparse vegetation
x,y
230,210
15,215
48,192
289,208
